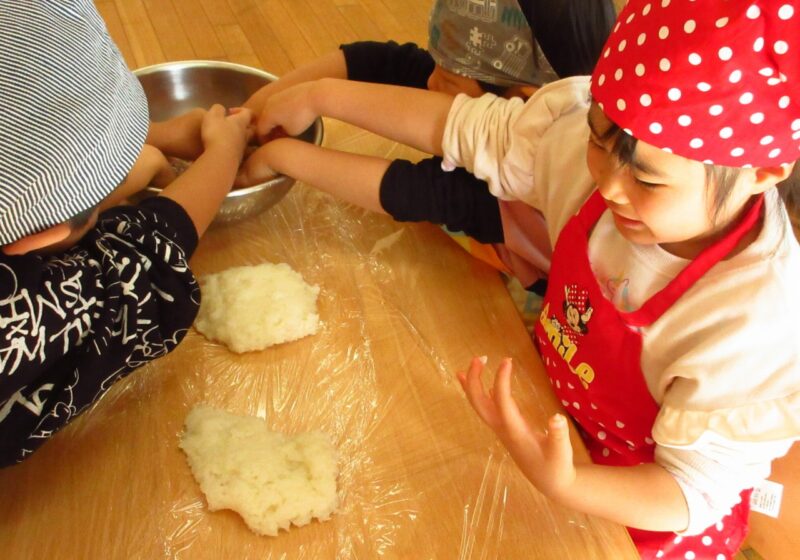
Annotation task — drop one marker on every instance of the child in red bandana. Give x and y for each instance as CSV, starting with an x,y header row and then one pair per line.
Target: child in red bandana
x,y
684,376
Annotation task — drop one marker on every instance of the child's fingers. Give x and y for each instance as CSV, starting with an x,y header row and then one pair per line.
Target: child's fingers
x,y
509,410
475,372
472,379
502,381
216,111
558,445
475,365
502,385
473,388
242,117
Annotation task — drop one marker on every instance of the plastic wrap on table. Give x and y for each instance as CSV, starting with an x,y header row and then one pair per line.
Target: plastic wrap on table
x,y
402,309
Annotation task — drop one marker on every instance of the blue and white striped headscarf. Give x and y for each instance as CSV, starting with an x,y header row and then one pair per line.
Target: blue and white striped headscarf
x,y
73,118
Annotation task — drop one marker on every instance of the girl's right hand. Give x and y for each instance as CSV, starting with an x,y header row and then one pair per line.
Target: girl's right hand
x,y
293,109
545,457
226,132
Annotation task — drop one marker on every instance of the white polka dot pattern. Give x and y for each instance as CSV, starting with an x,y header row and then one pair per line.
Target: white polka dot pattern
x,y
711,80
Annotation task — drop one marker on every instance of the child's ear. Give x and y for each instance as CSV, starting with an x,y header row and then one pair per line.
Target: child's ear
x,y
767,177
35,241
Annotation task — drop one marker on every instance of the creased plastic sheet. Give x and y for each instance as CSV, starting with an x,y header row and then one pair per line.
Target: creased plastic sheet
x,y
402,308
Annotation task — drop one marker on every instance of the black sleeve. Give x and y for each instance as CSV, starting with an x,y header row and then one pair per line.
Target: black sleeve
x,y
417,192
74,323
388,63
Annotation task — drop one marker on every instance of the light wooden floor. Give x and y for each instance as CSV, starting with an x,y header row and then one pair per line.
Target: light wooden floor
x,y
279,35
276,35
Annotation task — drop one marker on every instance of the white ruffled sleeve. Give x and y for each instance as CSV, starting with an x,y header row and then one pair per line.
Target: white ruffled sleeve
x,y
713,478
725,358
724,365
733,361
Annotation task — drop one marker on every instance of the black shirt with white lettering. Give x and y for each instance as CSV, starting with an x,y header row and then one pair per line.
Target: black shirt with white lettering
x,y
72,324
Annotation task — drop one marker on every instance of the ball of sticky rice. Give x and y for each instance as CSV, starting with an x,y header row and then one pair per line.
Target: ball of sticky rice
x,y
252,307
272,480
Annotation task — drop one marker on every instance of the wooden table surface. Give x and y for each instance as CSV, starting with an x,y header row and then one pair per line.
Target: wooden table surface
x,y
403,308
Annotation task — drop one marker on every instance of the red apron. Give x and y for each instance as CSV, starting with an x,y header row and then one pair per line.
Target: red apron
x,y
592,353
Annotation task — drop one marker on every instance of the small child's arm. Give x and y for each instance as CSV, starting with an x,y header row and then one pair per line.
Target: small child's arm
x,y
411,116
331,65
203,186
150,168
645,496
354,178
179,136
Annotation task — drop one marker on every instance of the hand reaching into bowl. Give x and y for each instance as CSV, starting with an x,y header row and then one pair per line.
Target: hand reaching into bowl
x,y
256,167
205,184
293,109
180,139
179,136
173,89
285,113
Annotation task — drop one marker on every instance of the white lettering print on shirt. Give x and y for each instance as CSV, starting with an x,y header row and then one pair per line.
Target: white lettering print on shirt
x,y
60,414
35,403
22,314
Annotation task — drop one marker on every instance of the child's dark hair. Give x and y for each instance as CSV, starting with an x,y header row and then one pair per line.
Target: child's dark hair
x,y
723,177
571,33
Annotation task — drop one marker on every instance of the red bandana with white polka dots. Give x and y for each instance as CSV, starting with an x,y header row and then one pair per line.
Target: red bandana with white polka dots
x,y
713,81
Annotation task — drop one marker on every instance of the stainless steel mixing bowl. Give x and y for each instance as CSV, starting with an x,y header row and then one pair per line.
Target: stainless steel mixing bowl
x,y
176,87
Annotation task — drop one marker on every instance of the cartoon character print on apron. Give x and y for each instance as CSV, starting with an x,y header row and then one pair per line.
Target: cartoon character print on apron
x,y
592,352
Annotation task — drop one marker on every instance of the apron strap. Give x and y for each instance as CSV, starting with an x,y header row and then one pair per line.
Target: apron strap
x,y
591,210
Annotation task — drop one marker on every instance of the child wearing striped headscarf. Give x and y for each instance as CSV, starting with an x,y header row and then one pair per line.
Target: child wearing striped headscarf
x,y
90,291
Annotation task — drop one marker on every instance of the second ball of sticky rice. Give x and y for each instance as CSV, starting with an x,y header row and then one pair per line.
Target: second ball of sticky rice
x,y
249,308
272,480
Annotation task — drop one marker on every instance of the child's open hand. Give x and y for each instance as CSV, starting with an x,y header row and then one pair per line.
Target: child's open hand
x,y
221,131
545,458
292,109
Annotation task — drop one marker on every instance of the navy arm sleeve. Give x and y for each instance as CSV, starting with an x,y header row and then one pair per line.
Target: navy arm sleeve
x,y
422,192
388,63
74,323
416,192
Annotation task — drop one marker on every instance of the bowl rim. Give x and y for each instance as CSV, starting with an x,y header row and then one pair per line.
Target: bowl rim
x,y
200,63
180,64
